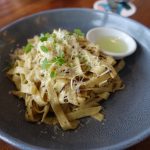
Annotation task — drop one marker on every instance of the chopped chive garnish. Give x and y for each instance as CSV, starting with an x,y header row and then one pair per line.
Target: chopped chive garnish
x,y
78,32
53,35
59,60
44,37
47,35
28,48
45,64
44,49
53,74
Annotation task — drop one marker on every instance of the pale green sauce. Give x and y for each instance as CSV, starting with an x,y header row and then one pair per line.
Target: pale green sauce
x,y
112,44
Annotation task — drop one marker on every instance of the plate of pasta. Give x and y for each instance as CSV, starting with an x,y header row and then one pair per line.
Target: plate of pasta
x,y
59,91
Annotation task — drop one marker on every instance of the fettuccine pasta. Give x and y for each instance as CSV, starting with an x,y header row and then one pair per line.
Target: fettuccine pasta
x,y
62,77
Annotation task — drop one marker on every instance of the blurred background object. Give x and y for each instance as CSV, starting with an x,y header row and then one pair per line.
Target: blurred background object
x,y
15,9
124,8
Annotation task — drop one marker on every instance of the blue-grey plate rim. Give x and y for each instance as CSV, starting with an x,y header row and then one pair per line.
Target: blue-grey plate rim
x,y
122,145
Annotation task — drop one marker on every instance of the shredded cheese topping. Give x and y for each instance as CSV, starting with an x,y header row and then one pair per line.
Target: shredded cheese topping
x,y
62,77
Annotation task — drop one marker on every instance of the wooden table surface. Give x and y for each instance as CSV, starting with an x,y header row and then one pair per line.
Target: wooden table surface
x,y
10,10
